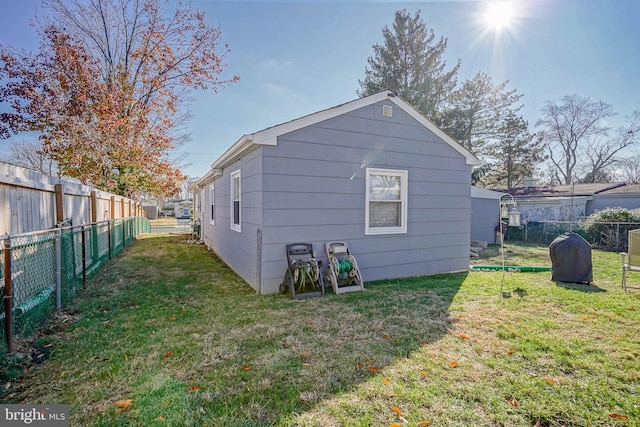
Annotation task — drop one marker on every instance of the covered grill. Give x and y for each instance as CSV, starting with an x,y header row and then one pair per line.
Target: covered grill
x,y
571,259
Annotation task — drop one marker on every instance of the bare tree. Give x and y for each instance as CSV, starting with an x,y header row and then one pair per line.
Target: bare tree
x,y
601,152
578,140
629,169
28,154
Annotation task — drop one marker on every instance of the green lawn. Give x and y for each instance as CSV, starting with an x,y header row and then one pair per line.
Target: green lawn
x,y
171,328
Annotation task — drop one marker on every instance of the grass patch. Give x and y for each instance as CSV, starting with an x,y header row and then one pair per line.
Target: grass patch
x,y
174,330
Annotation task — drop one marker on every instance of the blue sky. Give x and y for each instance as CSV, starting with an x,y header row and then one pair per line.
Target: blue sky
x,y
296,58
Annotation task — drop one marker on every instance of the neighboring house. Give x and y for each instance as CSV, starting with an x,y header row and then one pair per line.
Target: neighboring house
x,y
625,196
560,203
182,209
372,172
485,214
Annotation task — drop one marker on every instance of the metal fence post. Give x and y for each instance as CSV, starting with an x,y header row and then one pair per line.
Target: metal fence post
x,y
109,237
58,269
7,297
124,233
84,255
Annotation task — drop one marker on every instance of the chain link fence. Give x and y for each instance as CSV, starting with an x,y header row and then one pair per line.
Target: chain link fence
x,y
44,270
612,236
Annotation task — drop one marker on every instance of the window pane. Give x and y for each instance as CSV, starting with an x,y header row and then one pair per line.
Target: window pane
x,y
384,187
236,188
384,214
236,212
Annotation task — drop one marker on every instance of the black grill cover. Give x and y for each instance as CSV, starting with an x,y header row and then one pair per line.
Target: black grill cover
x,y
571,259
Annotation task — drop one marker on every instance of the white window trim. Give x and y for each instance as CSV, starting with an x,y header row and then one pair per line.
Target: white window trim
x,y
212,203
233,176
404,181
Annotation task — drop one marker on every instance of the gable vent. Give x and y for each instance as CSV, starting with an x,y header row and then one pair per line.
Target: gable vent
x,y
387,110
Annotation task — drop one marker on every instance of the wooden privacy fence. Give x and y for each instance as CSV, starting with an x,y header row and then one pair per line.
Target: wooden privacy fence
x,y
31,201
54,233
44,270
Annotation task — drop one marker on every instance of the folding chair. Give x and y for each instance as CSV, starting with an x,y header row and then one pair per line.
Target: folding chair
x,y
631,258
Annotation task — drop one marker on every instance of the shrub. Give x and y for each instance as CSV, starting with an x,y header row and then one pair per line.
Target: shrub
x,y
609,228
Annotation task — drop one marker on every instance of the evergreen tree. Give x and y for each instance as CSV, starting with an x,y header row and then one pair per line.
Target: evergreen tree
x,y
474,111
514,153
410,63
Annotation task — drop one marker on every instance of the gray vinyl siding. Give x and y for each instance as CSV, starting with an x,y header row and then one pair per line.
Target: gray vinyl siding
x,y
484,219
314,191
601,202
238,249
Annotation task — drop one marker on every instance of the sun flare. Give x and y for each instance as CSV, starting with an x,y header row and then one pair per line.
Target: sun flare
x,y
499,15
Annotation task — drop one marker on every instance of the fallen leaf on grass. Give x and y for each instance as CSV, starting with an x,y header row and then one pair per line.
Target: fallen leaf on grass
x,y
359,365
161,418
386,382
424,423
394,425
122,405
453,364
463,336
306,364
373,369
423,373
167,354
513,403
511,351
387,337
173,318
550,380
397,410
632,309
619,417
246,367
195,388
195,331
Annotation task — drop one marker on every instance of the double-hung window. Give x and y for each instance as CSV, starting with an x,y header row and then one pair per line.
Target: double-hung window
x,y
386,199
236,197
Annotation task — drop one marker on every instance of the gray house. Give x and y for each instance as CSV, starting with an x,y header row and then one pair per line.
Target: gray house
x,y
571,202
485,214
372,172
623,196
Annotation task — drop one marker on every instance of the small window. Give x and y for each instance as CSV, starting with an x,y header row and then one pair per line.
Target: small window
x,y
236,197
386,198
212,203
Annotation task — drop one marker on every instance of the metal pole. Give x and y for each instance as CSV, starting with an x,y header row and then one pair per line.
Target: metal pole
x,y
8,309
124,233
109,237
84,257
58,269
